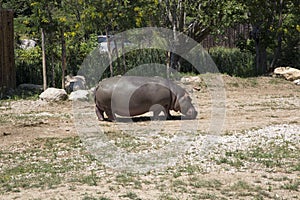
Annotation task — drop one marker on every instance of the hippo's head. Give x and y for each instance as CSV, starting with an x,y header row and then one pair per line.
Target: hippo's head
x,y
185,106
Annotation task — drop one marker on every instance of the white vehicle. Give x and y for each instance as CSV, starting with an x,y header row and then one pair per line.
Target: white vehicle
x,y
27,44
103,41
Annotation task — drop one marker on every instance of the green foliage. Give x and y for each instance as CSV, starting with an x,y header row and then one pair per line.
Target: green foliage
x,y
28,65
290,55
274,28
145,57
79,22
233,61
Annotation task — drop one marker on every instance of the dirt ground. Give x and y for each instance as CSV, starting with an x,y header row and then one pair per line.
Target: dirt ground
x,y
32,131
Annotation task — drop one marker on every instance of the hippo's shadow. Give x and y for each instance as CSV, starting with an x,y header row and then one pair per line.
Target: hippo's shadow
x,y
145,119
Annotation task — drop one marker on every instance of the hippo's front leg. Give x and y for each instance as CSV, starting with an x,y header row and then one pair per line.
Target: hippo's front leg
x,y
99,113
169,116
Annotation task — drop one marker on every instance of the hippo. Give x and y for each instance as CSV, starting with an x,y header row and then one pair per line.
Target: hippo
x,y
135,95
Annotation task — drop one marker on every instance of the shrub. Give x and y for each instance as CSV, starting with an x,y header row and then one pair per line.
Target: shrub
x,y
233,61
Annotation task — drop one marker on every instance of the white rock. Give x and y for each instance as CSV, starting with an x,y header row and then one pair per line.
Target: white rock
x,y
194,79
54,94
288,73
79,95
297,82
73,83
92,90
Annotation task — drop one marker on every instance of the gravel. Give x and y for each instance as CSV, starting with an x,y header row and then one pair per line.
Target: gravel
x,y
207,149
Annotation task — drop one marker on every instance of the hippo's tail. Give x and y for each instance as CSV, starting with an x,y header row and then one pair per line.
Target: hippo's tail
x,y
94,93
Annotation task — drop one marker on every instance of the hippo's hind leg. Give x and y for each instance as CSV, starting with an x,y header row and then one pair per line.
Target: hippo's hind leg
x,y
111,116
99,113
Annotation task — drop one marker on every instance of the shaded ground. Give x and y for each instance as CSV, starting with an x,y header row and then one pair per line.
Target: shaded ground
x,y
42,157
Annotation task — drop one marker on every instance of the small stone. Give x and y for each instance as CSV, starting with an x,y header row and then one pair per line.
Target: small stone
x,y
297,82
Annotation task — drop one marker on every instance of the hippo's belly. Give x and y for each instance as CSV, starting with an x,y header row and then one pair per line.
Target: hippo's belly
x,y
137,101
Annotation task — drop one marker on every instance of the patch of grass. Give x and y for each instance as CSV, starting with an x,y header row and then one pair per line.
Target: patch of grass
x,y
190,169
235,163
296,166
167,197
128,179
293,185
200,183
90,180
130,195
274,154
45,163
234,84
177,174
89,197
271,155
179,186
19,94
280,179
241,185
177,183
207,196
253,82
277,81
127,141
30,118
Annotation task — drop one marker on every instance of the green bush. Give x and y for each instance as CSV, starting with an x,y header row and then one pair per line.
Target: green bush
x,y
29,65
139,62
232,61
29,61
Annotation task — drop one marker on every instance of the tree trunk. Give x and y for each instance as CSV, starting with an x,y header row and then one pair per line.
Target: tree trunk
x,y
123,55
116,52
177,17
63,57
168,61
109,56
44,60
260,51
53,69
277,51
261,58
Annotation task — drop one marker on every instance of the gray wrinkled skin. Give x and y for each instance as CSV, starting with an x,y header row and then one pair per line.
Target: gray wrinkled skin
x,y
135,95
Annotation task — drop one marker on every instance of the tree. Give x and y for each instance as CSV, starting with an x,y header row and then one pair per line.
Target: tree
x,y
268,21
199,18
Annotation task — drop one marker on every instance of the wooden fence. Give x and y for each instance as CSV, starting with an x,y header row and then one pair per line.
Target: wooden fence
x,y
229,38
7,63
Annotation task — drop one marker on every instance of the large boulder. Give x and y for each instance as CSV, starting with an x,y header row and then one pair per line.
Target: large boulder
x,y
73,83
79,95
288,73
54,94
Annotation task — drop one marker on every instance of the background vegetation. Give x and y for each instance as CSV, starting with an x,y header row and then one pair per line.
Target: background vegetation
x,y
74,24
